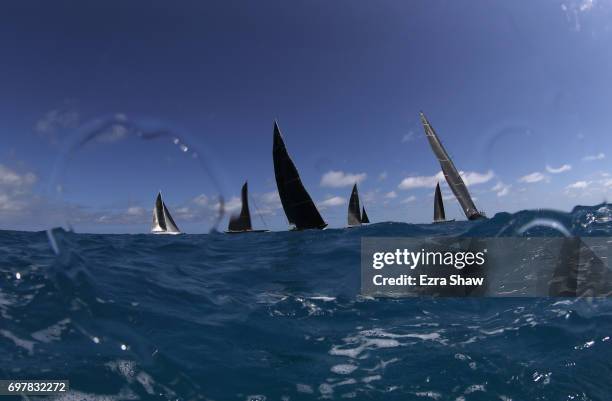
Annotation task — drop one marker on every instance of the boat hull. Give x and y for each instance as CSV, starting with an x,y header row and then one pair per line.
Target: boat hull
x,y
308,228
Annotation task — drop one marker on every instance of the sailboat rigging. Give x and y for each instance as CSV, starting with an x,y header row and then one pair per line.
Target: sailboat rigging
x,y
299,208
454,180
163,223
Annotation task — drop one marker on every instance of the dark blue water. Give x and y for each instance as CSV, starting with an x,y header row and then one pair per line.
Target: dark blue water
x,y
277,316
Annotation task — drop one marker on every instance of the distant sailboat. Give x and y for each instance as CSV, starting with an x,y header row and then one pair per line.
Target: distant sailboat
x,y
297,204
354,211
356,216
242,222
439,215
454,180
163,223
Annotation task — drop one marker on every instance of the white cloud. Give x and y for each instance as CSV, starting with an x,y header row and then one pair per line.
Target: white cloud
x,y
558,170
201,200
532,178
408,137
114,133
391,195
10,204
579,185
271,197
598,156
597,188
421,181
449,196
409,199
10,178
501,189
338,179
205,208
370,196
233,205
15,189
474,178
331,202
470,178
135,211
132,215
267,203
382,176
56,120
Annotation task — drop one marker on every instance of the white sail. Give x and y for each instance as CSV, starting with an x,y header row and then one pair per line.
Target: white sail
x,y
155,227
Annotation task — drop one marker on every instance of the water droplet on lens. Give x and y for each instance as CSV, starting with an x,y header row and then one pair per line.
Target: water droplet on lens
x,y
141,149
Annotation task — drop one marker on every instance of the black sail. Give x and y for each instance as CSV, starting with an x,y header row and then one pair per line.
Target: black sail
x,y
439,214
298,205
171,226
354,212
364,216
454,180
242,222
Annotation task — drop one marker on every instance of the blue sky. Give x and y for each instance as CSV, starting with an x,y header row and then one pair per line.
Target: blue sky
x,y
519,93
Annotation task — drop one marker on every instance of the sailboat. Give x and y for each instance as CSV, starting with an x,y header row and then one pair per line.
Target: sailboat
x,y
454,180
439,215
163,223
242,223
299,208
356,216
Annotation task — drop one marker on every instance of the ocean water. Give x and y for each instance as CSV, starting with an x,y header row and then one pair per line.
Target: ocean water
x,y
278,316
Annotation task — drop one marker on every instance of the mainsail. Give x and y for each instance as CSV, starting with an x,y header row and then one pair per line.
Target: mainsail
x,y
162,220
354,211
439,214
298,205
454,180
364,216
242,222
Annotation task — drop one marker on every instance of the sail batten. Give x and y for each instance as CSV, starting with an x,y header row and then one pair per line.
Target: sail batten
x,y
354,211
452,176
297,203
